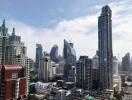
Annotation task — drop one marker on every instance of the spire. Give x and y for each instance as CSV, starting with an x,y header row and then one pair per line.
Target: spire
x,y
13,31
3,23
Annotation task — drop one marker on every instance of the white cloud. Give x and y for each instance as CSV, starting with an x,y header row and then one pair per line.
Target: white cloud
x,y
81,31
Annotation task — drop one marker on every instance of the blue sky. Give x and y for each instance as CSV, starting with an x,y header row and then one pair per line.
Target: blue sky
x,y
47,13
49,22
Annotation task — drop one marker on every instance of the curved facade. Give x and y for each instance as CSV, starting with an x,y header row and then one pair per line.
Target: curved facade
x,y
105,48
54,53
69,53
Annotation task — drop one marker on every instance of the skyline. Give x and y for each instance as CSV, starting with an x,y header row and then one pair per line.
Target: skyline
x,y
82,31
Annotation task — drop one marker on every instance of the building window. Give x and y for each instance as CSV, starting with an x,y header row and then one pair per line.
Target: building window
x,y
14,75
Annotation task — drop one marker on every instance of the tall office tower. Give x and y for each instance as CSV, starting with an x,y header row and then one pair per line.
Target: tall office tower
x,y
12,82
115,66
15,48
54,53
126,62
39,55
45,69
70,58
95,71
69,53
84,73
4,37
105,48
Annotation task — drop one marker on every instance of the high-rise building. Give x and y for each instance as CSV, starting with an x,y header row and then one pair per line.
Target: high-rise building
x,y
95,71
105,48
12,50
45,69
69,53
54,53
84,73
4,37
115,66
39,55
71,76
15,49
126,62
70,58
13,82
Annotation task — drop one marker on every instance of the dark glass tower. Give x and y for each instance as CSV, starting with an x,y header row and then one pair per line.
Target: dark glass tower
x,y
126,62
54,53
39,55
105,48
70,58
69,53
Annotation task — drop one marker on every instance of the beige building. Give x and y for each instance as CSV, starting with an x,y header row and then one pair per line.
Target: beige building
x,y
45,72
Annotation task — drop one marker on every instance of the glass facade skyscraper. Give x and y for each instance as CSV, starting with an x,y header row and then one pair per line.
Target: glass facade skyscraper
x,y
54,53
105,48
39,55
69,53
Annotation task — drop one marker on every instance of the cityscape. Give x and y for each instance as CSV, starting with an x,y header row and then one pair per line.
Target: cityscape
x,y
62,73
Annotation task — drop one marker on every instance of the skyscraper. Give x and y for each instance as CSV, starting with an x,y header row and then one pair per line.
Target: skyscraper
x,y
69,53
84,73
95,71
4,37
115,66
70,58
54,53
39,55
105,48
126,62
45,69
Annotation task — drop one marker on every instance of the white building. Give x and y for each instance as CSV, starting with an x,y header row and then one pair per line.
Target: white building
x,y
41,87
115,65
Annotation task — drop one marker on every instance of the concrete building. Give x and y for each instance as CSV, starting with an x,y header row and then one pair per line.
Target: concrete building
x,y
12,49
84,73
61,94
4,38
13,82
115,66
45,69
105,48
95,71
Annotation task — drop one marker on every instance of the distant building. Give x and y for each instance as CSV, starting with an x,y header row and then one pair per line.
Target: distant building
x,y
45,69
70,58
115,66
69,53
39,55
84,73
71,77
95,71
105,48
126,62
54,53
13,82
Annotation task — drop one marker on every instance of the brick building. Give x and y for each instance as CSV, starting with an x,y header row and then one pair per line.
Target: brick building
x,y
13,82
